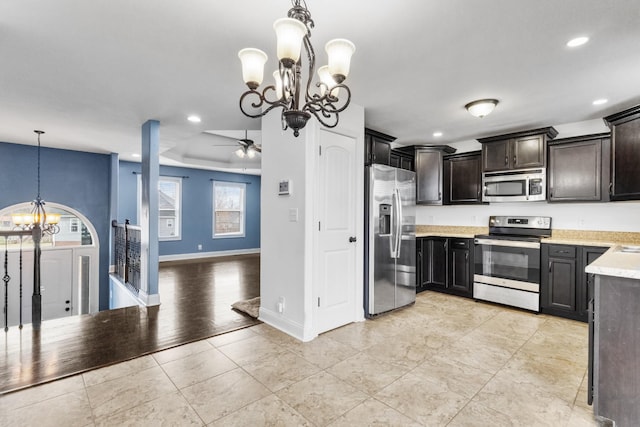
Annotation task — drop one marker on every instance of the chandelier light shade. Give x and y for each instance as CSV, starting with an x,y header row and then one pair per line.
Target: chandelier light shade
x,y
481,107
339,52
298,95
38,218
253,61
329,82
289,34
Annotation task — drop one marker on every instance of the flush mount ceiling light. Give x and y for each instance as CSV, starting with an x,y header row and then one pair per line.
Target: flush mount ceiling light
x,y
481,107
437,134
600,101
578,41
194,119
290,92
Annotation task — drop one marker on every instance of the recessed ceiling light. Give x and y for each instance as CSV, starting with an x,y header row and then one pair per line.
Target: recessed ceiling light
x,y
600,101
194,119
437,134
135,155
578,41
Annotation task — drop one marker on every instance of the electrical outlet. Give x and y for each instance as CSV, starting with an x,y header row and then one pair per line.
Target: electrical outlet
x,y
199,247
281,305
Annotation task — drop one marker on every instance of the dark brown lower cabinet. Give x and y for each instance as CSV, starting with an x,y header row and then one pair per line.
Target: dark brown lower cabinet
x,y
565,288
446,265
615,351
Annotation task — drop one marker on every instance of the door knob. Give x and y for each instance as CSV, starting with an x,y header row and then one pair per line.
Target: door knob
x,y
67,309
352,239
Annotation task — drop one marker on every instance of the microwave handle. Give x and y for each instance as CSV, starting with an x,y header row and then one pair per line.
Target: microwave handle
x,y
527,188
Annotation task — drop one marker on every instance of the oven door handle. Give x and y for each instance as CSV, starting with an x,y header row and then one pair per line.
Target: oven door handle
x,y
508,243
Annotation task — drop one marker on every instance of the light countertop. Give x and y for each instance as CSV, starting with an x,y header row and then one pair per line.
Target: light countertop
x,y
577,242
618,261
442,234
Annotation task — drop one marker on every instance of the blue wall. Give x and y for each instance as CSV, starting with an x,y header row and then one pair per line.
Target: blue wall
x,y
76,179
197,208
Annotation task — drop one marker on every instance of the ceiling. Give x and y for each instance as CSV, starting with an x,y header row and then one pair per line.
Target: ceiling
x,y
90,73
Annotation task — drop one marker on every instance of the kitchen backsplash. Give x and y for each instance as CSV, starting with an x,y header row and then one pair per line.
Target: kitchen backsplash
x,y
612,216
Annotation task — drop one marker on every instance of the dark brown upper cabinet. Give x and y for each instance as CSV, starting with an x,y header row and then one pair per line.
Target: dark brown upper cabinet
x,y
518,150
401,159
579,169
625,154
429,177
429,173
463,178
377,147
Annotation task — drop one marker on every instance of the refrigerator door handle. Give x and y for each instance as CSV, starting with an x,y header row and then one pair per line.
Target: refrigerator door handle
x,y
398,223
394,227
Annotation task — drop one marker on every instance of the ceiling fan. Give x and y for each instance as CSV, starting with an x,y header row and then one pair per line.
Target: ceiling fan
x,y
247,148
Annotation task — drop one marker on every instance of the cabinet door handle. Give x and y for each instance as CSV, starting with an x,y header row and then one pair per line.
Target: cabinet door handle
x,y
466,256
514,160
506,160
549,266
611,188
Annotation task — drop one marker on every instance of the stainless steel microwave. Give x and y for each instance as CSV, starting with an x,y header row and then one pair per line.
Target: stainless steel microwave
x,y
514,186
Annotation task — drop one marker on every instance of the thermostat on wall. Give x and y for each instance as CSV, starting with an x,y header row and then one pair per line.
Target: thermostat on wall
x,y
284,187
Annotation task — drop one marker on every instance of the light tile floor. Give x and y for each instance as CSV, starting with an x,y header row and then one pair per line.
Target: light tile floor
x,y
446,361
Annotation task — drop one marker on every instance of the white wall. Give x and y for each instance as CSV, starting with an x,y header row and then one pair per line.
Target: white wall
x,y
283,245
286,265
612,216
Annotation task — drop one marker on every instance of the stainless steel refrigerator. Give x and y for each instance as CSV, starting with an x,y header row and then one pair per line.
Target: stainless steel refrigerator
x,y
390,247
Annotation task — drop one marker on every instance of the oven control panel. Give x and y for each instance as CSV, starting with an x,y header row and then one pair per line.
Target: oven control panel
x,y
540,222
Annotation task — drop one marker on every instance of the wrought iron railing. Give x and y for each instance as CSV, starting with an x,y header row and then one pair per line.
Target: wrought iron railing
x,y
127,254
15,237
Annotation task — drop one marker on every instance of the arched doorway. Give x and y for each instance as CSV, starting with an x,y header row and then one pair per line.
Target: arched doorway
x,y
69,266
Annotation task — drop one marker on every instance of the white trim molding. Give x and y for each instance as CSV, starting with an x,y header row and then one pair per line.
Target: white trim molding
x,y
198,255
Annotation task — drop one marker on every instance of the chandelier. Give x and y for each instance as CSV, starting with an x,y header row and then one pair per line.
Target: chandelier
x,y
38,218
296,98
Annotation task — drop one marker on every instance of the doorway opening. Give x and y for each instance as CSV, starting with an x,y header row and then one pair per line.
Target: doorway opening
x,y
69,266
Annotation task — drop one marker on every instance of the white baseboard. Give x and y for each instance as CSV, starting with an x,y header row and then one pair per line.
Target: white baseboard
x,y
198,255
283,324
149,299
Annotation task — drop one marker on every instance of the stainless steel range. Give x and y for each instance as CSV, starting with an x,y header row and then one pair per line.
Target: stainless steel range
x,y
507,261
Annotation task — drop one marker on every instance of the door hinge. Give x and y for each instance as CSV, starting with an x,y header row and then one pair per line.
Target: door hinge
x,y
318,225
318,301
319,150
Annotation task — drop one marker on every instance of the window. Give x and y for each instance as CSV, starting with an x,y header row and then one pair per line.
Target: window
x,y
228,209
169,207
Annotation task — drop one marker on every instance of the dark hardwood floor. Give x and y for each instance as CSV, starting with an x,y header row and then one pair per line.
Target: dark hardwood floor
x,y
196,298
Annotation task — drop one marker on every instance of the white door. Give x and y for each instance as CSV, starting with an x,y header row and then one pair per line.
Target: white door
x,y
56,283
336,290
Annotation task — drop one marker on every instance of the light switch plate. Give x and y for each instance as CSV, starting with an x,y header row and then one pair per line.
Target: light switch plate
x,y
293,215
